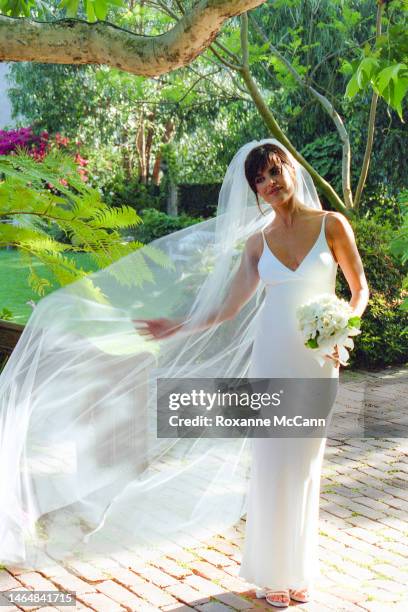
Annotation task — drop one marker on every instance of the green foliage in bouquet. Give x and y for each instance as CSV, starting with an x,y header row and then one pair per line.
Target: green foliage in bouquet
x,y
42,199
312,343
352,322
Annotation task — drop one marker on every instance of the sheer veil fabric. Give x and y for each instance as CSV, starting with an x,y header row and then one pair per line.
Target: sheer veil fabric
x,y
82,471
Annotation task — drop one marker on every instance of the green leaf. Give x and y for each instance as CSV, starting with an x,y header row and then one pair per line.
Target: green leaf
x,y
365,71
101,8
392,84
37,283
353,87
71,7
6,314
312,343
346,68
387,74
400,89
77,212
90,10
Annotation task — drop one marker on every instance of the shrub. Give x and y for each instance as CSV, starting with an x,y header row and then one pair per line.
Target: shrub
x,y
38,146
23,138
399,244
381,206
132,192
383,340
324,153
156,224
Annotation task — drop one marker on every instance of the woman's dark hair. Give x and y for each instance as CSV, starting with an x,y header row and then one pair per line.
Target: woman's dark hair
x,y
259,159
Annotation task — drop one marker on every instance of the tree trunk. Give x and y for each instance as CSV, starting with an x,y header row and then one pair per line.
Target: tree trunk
x,y
170,128
149,142
140,147
172,197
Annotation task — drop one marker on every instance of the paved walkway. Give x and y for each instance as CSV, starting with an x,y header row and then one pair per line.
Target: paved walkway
x,y
363,531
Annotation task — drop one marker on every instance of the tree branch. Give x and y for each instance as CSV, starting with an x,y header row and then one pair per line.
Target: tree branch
x,y
226,63
72,41
371,124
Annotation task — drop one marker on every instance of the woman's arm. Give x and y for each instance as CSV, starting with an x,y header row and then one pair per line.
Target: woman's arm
x,y
242,288
340,237
243,284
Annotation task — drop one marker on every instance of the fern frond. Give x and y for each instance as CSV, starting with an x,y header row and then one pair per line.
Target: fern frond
x,y
158,256
29,238
140,274
74,209
64,269
86,205
37,283
18,198
54,166
93,292
115,218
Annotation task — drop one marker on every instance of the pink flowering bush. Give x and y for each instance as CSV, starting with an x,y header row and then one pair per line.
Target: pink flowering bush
x,y
38,146
23,138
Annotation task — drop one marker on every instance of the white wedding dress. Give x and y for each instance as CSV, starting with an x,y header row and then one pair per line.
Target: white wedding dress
x,y
280,548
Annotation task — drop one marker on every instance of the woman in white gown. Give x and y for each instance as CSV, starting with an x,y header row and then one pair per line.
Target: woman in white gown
x,y
296,257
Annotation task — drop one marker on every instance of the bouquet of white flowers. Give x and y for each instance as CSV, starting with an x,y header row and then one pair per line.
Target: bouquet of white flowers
x,y
326,322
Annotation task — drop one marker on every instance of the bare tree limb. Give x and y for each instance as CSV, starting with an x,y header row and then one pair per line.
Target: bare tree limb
x,y
226,63
371,123
232,55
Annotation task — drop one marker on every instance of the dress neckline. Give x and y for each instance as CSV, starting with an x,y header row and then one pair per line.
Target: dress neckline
x,y
322,227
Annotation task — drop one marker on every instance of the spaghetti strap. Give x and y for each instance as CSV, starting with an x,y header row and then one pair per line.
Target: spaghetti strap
x,y
323,228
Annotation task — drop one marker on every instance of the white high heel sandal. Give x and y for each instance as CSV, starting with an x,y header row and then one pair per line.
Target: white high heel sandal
x,y
269,594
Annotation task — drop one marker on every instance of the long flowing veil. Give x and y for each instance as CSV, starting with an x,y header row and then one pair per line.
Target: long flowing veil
x,y
82,470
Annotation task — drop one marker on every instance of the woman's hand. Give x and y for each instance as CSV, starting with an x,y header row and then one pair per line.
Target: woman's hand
x,y
157,329
335,357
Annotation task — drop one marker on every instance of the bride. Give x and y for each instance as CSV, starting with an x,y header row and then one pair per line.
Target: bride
x,y
296,257
84,469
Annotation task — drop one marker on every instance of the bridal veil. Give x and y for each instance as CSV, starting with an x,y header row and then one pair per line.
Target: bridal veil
x,y
82,471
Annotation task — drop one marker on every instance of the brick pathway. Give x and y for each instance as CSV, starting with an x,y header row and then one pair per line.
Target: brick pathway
x,y
363,532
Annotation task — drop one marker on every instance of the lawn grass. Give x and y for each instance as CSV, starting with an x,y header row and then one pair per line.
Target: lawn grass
x,y
15,291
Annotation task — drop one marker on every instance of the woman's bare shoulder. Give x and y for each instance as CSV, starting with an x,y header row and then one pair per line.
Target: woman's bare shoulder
x,y
254,245
337,224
